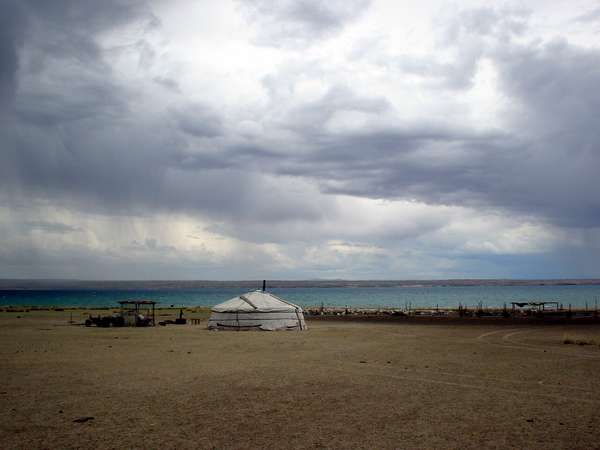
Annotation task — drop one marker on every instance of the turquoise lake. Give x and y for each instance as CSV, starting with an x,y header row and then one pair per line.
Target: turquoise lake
x,y
397,297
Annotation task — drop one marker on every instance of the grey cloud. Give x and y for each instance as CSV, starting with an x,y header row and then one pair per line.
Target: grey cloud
x,y
149,245
500,23
51,227
89,98
298,23
590,16
168,83
313,115
93,161
468,35
76,139
67,29
543,165
198,120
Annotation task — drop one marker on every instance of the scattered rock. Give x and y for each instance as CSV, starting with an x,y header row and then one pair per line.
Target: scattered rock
x,y
363,362
530,420
60,411
83,419
189,353
389,362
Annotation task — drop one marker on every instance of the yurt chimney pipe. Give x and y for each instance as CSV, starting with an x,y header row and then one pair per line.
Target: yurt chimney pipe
x,y
264,285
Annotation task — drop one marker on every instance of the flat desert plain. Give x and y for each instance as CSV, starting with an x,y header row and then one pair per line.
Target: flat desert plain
x,y
337,385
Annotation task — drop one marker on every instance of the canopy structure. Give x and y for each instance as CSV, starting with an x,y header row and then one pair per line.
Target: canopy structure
x,y
138,313
256,310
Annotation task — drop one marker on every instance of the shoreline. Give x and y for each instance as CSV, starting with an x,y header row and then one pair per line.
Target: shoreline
x,y
448,316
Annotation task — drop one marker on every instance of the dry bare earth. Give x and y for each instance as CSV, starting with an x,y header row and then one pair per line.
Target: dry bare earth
x,y
339,385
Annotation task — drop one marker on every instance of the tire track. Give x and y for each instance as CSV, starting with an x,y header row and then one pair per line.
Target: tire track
x,y
519,345
481,387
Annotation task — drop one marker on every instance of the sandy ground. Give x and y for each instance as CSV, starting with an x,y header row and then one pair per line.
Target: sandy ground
x,y
338,385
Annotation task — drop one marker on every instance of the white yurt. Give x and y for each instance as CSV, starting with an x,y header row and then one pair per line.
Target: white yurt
x,y
258,310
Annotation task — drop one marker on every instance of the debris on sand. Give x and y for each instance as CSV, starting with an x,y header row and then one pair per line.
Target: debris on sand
x,y
83,419
576,341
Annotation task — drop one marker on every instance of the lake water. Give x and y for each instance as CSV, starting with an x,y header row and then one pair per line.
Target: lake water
x,y
397,297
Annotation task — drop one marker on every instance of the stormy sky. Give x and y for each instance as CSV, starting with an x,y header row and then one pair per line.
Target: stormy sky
x,y
299,139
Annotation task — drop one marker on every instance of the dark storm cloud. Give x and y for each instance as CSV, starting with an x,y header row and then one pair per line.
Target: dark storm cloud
x,y
555,85
12,25
53,46
68,29
435,166
77,138
298,23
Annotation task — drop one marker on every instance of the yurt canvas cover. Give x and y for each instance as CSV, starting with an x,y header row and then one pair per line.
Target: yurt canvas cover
x,y
256,310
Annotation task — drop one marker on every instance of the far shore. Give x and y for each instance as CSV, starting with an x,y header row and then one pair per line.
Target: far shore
x,y
42,284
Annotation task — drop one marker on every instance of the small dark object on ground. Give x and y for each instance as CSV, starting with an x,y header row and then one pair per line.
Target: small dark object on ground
x,y
166,322
180,320
105,321
363,362
83,419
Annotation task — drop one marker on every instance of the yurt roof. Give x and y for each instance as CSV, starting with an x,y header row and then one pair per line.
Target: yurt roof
x,y
256,301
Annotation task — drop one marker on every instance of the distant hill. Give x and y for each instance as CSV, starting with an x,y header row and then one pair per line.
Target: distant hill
x,y
12,284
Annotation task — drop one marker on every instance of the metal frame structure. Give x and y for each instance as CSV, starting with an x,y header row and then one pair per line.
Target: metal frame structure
x,y
538,307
